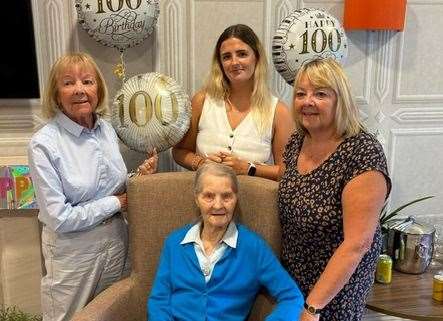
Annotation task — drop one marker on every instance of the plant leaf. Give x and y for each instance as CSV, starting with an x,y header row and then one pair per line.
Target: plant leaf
x,y
386,217
383,211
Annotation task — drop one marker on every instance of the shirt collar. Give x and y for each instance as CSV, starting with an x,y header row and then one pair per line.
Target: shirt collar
x,y
229,238
71,126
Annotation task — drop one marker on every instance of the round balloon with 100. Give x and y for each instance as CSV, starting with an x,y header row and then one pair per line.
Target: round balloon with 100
x,y
146,108
326,40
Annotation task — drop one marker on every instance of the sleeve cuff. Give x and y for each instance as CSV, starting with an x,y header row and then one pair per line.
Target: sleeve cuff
x,y
113,205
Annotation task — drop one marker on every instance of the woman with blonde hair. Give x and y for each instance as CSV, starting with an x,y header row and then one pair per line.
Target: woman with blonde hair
x,y
330,196
235,119
80,184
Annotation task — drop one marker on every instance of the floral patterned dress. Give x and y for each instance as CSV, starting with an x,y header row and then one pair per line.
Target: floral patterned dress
x,y
312,221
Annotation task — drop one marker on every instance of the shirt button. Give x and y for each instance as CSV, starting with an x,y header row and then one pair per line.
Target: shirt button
x,y
229,147
232,135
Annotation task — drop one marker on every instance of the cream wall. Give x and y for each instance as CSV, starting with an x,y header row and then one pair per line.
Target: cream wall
x,y
396,76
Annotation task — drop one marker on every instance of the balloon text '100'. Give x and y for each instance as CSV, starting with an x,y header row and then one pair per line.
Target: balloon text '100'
x,y
324,39
110,6
141,114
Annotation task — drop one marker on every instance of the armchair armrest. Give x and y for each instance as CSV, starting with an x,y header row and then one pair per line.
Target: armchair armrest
x,y
113,304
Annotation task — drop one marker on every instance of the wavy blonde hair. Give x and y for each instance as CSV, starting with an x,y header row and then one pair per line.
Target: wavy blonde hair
x,y
217,84
327,73
50,97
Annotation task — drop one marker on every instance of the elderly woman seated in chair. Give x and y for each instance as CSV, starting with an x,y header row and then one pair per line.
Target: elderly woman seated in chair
x,y
214,269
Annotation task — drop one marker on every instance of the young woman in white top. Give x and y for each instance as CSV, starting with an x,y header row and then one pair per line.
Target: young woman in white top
x,y
235,119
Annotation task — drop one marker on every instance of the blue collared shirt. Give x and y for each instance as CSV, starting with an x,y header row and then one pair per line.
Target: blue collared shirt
x,y
76,171
207,262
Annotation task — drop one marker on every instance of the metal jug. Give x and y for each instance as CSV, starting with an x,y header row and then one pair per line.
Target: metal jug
x,y
411,245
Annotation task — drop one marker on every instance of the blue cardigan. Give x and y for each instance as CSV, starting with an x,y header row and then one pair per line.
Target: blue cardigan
x,y
181,293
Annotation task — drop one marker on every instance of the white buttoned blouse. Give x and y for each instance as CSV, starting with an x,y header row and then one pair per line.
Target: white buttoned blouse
x,y
215,134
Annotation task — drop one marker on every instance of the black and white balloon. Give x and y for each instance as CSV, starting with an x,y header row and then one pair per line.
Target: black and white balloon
x,y
304,35
118,23
151,111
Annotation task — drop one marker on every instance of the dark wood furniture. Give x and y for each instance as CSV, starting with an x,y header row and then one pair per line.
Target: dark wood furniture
x,y
408,296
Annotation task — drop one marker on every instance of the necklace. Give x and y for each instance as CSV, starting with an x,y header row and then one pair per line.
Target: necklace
x,y
234,115
231,106
206,269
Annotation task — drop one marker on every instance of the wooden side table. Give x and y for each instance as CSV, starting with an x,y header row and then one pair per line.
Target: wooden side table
x,y
408,296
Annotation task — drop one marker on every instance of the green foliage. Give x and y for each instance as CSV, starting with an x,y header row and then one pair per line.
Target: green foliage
x,y
385,216
14,314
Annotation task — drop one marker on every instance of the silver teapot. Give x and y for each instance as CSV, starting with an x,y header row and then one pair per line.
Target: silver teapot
x,y
410,244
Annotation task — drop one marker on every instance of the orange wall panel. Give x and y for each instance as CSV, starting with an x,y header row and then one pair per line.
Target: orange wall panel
x,y
374,14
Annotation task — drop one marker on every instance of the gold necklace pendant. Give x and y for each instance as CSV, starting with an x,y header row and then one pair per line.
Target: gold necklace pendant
x,y
231,106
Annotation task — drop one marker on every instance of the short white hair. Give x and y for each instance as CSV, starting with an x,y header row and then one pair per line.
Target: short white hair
x,y
216,169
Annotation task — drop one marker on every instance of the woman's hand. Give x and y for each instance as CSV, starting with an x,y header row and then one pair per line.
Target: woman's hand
x,y
184,152
123,201
305,316
240,166
149,166
217,158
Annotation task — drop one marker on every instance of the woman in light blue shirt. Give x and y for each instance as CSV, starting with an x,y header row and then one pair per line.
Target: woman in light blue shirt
x,y
80,180
214,269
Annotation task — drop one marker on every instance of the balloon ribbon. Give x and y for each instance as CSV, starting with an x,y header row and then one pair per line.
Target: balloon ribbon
x,y
119,69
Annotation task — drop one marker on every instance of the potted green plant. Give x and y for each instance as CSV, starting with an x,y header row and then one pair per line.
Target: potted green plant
x,y
15,314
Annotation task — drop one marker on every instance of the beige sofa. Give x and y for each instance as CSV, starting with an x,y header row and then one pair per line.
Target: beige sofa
x,y
158,204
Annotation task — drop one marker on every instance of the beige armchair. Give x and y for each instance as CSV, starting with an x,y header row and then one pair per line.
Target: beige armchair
x,y
158,204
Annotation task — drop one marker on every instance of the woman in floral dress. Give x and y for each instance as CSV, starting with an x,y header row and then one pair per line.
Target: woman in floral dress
x,y
331,192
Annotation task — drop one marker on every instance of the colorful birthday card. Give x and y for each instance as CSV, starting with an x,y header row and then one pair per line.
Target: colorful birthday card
x,y
16,189
6,188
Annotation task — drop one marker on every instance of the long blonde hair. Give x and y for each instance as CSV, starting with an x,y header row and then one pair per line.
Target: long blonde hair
x,y
217,84
328,73
50,98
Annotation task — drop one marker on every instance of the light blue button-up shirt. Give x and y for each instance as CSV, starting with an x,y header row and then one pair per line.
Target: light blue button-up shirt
x,y
76,171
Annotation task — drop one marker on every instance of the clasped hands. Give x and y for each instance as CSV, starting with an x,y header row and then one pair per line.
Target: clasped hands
x,y
149,165
240,166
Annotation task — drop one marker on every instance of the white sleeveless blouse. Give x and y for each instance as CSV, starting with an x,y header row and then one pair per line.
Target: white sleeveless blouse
x,y
215,134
